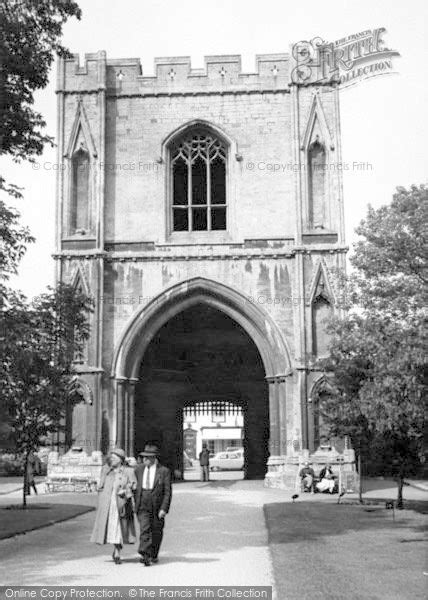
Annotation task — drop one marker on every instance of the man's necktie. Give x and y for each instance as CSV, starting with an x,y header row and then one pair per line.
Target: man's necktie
x,y
147,479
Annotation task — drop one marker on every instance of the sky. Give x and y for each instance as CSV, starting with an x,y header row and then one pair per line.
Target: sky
x,y
383,120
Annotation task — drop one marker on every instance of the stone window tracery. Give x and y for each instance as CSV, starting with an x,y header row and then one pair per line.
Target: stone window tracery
x,y
198,163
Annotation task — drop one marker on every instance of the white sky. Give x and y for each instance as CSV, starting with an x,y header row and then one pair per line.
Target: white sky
x,y
383,119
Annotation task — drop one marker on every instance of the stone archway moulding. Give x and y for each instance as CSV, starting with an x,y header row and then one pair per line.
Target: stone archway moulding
x,y
144,325
77,386
322,382
188,126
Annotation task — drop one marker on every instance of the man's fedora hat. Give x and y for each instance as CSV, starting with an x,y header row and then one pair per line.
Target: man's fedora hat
x,y
150,450
119,452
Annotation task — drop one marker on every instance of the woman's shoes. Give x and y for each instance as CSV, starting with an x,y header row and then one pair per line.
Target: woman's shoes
x,y
117,560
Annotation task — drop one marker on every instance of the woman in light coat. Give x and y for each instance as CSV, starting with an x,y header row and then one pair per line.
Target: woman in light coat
x,y
326,480
115,518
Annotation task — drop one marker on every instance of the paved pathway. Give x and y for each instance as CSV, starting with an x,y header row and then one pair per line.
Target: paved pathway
x,y
215,535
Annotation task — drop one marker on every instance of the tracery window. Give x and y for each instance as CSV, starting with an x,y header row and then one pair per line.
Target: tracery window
x,y
198,162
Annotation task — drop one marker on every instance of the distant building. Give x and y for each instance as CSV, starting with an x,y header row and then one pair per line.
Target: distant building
x,y
217,425
203,210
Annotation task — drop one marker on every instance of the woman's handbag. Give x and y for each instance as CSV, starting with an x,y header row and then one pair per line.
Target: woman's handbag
x,y
129,508
121,503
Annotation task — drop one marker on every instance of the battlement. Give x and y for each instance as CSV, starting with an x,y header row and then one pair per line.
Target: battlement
x,y
173,75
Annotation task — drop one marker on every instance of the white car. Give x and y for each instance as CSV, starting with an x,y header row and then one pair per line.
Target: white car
x,y
234,449
227,461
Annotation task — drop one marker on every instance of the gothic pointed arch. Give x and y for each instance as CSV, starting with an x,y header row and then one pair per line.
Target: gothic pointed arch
x,y
79,280
317,145
80,133
321,300
188,126
81,388
316,126
320,284
81,154
198,159
144,324
322,383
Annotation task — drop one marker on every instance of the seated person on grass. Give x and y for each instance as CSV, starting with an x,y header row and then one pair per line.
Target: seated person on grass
x,y
307,476
326,480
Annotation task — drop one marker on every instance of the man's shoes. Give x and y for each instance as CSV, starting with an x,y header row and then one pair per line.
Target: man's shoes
x,y
146,561
155,560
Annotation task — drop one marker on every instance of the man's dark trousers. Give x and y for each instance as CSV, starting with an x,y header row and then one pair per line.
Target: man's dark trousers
x,y
151,527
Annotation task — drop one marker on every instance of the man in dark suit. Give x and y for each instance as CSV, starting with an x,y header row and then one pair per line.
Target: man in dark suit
x,y
152,501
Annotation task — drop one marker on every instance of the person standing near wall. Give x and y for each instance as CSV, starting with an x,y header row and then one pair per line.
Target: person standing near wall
x,y
204,461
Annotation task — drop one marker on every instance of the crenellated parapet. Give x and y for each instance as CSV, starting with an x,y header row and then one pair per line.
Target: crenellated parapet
x,y
173,75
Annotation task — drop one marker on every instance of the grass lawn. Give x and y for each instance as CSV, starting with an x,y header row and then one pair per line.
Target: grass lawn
x,y
15,521
323,550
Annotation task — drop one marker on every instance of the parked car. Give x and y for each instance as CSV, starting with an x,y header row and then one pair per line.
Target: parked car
x,y
227,461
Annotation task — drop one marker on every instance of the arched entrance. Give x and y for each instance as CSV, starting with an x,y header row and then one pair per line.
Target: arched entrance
x,y
168,337
202,358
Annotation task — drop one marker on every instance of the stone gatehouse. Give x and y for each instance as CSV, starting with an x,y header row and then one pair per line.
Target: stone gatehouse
x,y
202,210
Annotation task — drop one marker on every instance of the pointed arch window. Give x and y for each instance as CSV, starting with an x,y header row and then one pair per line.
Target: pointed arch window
x,y
316,184
198,170
80,197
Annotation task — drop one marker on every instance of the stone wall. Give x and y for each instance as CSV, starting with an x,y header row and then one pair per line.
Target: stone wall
x,y
271,252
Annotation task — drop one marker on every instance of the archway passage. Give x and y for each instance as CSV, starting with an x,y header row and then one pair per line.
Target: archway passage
x,y
201,355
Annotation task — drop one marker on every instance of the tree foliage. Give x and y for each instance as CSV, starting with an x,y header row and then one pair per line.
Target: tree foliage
x,y
377,353
13,241
39,342
30,38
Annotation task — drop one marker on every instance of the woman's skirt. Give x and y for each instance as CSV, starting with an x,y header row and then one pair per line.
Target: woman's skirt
x,y
325,484
114,529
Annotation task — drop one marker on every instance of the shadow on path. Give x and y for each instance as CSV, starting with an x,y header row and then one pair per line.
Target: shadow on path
x,y
207,524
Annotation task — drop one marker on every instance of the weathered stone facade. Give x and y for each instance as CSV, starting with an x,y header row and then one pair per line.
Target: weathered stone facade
x,y
268,268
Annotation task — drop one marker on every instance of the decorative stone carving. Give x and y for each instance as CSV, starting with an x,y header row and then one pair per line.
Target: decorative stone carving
x,y
75,470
